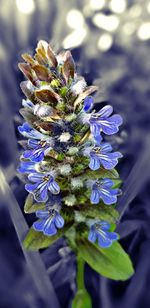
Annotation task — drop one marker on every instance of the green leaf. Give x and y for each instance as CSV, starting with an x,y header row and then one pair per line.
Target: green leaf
x,y
82,299
37,240
112,262
117,183
55,83
100,211
101,173
31,207
63,91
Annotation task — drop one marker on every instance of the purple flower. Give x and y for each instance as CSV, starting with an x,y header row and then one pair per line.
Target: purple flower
x,y
49,221
100,155
26,167
100,231
101,121
27,131
103,190
88,103
38,151
43,184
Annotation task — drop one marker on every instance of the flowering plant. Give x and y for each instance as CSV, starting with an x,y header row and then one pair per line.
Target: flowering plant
x,y
69,168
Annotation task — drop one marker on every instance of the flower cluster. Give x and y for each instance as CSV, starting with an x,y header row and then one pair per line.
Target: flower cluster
x,y
65,143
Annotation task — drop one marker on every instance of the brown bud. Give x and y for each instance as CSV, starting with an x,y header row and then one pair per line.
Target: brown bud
x,y
28,59
47,127
47,95
27,89
68,68
41,52
42,72
29,73
51,56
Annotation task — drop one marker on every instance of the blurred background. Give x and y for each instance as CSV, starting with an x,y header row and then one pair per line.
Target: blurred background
x,y
110,42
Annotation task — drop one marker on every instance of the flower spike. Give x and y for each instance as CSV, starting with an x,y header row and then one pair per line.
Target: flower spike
x,y
65,150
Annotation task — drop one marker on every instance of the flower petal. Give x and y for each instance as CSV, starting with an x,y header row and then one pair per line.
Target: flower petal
x,y
95,196
108,182
98,139
111,125
33,143
107,197
104,242
31,187
113,236
115,191
41,194
59,221
37,155
26,167
104,225
116,119
53,187
116,155
35,177
42,214
88,103
107,162
106,147
50,228
27,131
108,128
94,163
92,236
39,225
24,128
27,154
95,130
106,111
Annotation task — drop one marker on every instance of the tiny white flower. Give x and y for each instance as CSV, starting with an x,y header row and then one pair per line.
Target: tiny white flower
x,y
78,87
73,150
76,183
64,137
79,217
65,169
70,200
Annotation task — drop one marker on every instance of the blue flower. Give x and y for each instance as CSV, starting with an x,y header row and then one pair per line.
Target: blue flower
x,y
88,103
27,131
49,221
101,156
27,103
101,121
26,167
103,190
43,184
100,231
38,151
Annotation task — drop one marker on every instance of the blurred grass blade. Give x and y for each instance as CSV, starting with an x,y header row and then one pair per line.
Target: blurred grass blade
x,y
137,178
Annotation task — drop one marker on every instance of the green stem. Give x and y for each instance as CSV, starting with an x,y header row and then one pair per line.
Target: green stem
x,y
80,273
